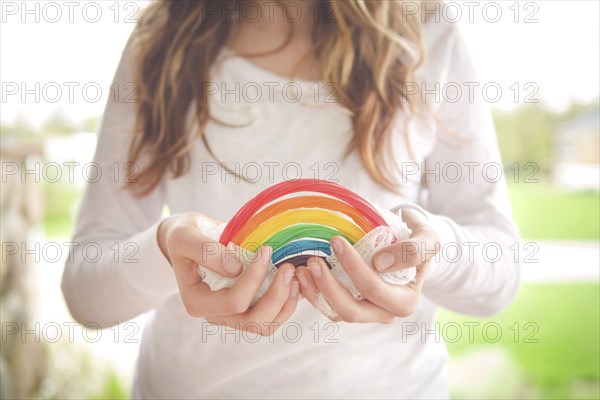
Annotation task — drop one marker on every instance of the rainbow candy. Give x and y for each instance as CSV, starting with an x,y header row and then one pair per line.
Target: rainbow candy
x,y
301,225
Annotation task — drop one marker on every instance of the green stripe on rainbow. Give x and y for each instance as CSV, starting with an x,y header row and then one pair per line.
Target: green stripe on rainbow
x,y
300,231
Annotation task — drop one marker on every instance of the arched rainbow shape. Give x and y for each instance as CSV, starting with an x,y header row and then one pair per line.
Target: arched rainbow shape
x,y
301,224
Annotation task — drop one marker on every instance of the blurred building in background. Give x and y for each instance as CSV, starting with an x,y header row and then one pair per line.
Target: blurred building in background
x,y
577,152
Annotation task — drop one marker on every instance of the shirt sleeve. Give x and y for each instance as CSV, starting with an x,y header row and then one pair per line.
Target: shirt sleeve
x,y
466,197
115,270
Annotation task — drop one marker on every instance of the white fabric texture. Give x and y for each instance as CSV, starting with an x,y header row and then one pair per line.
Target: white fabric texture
x,y
367,246
185,357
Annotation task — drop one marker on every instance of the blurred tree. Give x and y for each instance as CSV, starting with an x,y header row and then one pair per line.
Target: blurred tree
x,y
20,129
577,108
525,134
58,124
89,124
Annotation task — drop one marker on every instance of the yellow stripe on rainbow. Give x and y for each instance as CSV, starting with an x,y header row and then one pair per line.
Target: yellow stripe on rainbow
x,y
297,216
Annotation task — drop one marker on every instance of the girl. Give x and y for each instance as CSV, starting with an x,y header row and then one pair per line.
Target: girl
x,y
236,96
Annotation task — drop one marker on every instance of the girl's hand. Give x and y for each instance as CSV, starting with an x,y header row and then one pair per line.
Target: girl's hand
x,y
185,247
382,301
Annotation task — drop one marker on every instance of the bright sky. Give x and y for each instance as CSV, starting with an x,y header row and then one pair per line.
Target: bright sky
x,y
557,52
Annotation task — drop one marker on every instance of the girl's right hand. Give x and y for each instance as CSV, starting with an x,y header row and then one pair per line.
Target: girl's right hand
x,y
185,247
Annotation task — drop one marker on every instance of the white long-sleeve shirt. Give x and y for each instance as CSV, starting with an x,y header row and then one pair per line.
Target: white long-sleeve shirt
x,y
267,141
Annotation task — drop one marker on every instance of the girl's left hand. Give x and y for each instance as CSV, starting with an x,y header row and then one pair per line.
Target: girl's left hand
x,y
382,301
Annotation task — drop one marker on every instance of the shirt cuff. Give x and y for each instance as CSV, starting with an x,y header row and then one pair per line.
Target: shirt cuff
x,y
150,273
447,238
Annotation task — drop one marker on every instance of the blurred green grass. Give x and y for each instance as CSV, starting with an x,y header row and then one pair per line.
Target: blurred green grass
x,y
559,350
544,212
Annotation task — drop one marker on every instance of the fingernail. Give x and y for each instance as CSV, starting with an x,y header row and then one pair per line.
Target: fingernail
x,y
315,268
295,290
287,277
384,261
338,247
303,280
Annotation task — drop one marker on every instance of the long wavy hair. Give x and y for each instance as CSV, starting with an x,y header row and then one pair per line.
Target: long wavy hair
x,y
367,49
